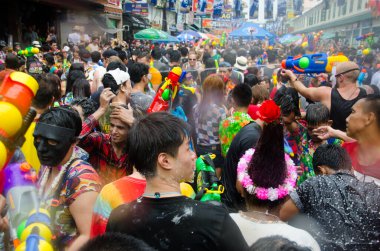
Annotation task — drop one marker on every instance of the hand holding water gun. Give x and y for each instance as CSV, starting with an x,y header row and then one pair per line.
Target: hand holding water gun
x,y
288,149
16,94
312,63
362,76
168,91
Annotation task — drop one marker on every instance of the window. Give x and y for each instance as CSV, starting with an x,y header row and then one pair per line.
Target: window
x,y
344,9
310,21
323,15
351,6
333,11
359,4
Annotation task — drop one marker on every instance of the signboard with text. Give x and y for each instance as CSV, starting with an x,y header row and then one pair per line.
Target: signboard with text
x,y
137,8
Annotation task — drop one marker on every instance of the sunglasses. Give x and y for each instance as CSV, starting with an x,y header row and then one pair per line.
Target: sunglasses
x,y
340,74
192,59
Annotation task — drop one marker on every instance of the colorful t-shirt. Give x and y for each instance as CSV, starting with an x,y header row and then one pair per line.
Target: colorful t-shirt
x,y
119,192
229,127
80,178
305,151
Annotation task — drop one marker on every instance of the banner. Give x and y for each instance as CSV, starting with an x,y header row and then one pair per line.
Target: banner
x,y
281,8
253,9
268,9
238,8
203,7
185,6
217,9
298,7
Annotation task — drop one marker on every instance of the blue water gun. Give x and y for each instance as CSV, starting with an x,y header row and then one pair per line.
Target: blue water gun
x,y
362,76
288,149
312,63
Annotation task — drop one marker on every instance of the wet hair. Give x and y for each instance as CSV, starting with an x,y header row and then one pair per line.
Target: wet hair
x,y
116,242
49,59
71,77
288,100
184,51
12,61
205,57
158,132
210,63
137,71
242,95
251,80
253,70
55,81
276,243
156,54
95,56
88,105
123,55
81,88
332,156
46,91
317,114
175,56
259,94
230,57
63,116
372,104
116,64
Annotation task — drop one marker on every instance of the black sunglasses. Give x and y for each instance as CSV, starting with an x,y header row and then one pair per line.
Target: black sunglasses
x,y
337,75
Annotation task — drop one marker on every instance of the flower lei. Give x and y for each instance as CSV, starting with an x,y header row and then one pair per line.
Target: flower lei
x,y
262,193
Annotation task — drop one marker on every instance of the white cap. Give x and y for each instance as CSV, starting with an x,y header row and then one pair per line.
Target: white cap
x,y
36,44
66,48
119,76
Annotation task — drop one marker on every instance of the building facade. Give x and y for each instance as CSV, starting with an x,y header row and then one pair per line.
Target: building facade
x,y
344,19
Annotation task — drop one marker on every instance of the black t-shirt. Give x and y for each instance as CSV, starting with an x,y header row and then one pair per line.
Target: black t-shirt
x,y
246,138
177,223
345,211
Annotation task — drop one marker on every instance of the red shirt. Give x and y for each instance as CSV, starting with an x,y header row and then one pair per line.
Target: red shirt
x,y
372,170
102,155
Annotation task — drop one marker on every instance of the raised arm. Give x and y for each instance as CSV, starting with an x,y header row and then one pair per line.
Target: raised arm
x,y
320,94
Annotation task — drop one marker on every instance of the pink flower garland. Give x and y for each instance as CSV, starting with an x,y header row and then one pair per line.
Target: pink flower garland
x,y
262,193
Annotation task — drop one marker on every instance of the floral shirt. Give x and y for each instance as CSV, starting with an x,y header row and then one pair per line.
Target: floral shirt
x,y
305,149
229,127
80,178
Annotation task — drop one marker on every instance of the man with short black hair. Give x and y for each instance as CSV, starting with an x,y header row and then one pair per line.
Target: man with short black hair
x,y
342,213
162,217
241,98
140,76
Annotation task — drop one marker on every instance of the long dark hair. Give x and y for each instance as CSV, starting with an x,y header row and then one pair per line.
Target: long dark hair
x,y
268,166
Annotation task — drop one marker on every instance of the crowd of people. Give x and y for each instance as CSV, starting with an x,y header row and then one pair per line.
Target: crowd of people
x,y
298,156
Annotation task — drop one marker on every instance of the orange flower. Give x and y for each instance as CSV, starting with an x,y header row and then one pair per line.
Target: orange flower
x,y
226,123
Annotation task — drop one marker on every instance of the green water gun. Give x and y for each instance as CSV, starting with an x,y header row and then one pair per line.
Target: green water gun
x,y
209,187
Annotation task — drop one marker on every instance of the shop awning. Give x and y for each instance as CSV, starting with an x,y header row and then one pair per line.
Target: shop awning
x,y
136,21
105,24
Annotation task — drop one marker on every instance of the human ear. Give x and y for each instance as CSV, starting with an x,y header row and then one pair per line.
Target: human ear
x,y
164,161
371,117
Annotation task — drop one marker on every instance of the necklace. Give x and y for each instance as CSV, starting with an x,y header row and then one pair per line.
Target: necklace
x,y
262,215
56,181
158,195
352,93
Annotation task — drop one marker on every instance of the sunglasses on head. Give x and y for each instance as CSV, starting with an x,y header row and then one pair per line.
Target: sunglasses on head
x,y
340,74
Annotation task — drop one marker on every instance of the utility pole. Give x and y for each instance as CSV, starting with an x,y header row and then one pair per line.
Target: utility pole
x,y
164,22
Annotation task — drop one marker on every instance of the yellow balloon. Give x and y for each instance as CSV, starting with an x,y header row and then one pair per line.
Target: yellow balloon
x,y
3,155
366,51
35,50
187,190
44,232
11,119
304,44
